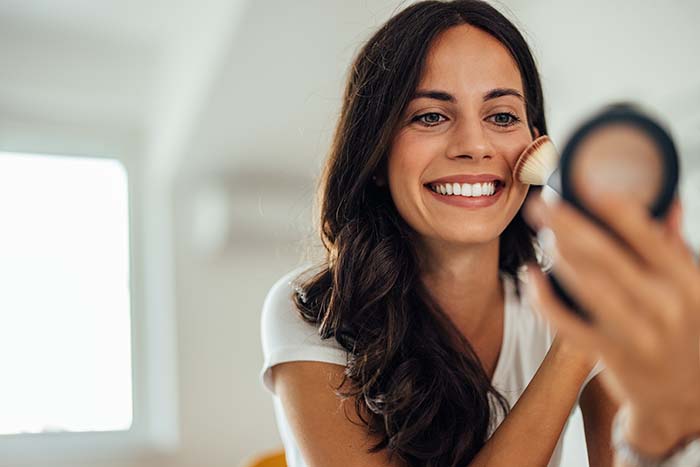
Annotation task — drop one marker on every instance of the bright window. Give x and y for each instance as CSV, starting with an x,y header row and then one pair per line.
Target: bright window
x,y
65,337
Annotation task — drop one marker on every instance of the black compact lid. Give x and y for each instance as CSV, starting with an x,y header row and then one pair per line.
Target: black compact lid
x,y
630,115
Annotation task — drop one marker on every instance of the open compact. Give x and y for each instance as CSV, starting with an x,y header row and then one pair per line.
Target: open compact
x,y
620,150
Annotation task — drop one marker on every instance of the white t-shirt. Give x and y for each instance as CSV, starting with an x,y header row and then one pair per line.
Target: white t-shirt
x,y
287,337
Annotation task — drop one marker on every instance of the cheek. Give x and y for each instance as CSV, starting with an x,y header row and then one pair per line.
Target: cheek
x,y
518,198
406,164
403,174
511,148
407,160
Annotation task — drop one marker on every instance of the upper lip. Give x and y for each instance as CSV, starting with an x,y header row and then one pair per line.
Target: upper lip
x,y
467,178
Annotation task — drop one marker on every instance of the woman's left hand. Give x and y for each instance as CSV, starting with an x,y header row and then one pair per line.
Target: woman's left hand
x,y
642,291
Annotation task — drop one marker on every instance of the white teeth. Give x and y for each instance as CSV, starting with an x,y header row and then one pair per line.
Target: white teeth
x,y
465,189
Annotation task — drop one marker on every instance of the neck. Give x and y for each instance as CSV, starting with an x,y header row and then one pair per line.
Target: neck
x,y
464,281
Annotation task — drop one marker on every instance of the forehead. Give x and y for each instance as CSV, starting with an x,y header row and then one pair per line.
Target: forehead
x,y
465,59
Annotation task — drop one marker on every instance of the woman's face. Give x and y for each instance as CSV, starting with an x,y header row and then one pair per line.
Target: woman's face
x,y
465,125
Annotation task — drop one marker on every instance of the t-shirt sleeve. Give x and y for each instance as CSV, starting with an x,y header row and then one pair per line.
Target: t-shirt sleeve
x,y
287,337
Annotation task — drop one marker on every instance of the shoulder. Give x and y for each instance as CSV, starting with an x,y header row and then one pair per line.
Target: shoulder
x,y
281,323
278,303
286,336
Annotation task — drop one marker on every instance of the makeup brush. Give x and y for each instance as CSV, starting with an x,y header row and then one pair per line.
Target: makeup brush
x,y
619,150
538,164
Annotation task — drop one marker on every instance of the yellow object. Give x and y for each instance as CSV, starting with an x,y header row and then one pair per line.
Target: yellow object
x,y
273,459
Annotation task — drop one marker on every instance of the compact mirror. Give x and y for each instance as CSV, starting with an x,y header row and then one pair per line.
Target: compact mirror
x,y
620,150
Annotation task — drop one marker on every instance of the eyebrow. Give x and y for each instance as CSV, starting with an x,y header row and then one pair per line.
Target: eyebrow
x,y
447,97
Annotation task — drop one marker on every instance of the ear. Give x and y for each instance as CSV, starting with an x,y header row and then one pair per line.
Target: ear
x,y
536,132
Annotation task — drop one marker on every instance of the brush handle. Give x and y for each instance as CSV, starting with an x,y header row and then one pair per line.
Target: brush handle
x,y
554,181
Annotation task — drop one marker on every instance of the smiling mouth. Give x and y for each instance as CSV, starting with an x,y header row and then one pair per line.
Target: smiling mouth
x,y
467,190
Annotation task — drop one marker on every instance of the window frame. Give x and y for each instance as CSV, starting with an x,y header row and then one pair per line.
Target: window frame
x,y
154,432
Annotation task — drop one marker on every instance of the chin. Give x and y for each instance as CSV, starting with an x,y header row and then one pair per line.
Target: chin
x,y
474,237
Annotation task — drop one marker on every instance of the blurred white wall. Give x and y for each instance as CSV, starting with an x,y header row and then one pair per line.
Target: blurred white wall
x,y
228,108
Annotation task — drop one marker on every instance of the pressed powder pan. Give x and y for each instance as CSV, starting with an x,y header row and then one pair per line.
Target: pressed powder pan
x,y
621,150
624,151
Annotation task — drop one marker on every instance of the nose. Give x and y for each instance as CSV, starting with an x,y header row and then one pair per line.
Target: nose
x,y
469,140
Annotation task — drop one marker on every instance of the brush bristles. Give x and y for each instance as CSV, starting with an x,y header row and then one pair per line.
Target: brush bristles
x,y
537,162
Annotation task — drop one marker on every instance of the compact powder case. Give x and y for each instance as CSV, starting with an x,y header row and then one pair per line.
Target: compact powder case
x,y
620,150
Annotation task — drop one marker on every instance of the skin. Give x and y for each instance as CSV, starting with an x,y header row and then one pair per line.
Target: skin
x,y
459,262
644,298
460,247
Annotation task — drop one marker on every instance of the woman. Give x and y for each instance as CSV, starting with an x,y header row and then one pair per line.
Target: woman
x,y
415,316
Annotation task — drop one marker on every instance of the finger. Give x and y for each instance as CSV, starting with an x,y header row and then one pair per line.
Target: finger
x,y
643,284
543,299
612,347
674,229
674,234
611,311
601,273
632,222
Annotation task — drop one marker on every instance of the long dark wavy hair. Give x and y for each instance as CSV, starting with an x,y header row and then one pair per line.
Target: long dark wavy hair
x,y
416,382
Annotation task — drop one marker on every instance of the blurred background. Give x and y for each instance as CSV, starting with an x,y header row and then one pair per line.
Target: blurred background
x,y
157,170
